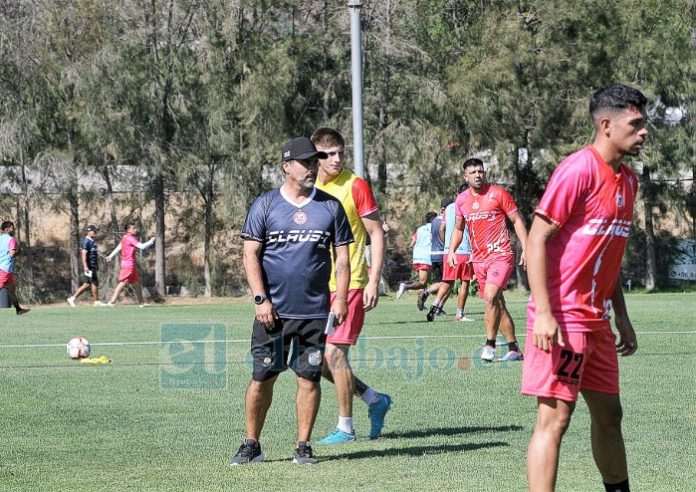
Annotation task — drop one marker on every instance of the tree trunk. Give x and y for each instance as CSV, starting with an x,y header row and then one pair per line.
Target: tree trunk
x,y
650,264
158,186
113,238
74,238
384,106
692,201
522,283
25,225
207,240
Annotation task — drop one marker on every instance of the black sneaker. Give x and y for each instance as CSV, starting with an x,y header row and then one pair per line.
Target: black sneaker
x,y
303,454
422,296
431,314
249,452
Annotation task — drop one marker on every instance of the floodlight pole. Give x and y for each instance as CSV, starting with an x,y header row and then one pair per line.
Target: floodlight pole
x,y
356,82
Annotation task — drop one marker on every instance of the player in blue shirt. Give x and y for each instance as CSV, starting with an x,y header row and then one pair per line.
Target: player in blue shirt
x,y
463,271
420,242
289,234
8,250
437,253
89,256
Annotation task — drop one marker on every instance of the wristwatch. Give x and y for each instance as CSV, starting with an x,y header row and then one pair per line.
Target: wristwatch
x,y
260,299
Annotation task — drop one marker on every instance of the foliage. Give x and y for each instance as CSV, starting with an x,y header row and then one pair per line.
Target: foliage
x,y
195,98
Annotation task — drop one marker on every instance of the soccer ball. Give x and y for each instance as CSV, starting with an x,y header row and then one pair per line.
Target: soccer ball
x,y
78,348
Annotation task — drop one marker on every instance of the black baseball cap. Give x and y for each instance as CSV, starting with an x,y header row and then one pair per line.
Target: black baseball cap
x,y
301,148
445,202
91,227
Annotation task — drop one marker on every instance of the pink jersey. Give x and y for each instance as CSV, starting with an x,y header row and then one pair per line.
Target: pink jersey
x,y
593,208
485,214
128,250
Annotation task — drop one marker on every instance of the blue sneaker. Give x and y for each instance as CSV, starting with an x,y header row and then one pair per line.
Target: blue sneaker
x,y
338,437
512,355
376,411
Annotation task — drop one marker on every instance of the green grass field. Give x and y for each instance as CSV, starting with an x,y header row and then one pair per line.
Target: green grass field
x,y
455,423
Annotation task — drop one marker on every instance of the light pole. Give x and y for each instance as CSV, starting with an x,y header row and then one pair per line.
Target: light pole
x,y
356,83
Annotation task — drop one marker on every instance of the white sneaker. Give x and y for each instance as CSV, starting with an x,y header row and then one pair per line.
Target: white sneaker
x,y
99,304
144,305
462,319
402,289
487,353
71,301
110,304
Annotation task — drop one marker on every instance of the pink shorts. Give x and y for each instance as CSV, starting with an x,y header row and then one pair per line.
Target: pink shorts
x,y
347,333
7,279
421,266
496,271
129,275
462,271
587,362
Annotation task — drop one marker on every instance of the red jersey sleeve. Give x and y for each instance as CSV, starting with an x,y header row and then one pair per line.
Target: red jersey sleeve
x,y
363,198
507,203
13,244
458,203
566,189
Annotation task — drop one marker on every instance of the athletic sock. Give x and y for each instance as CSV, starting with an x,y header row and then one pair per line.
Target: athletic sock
x,y
345,424
460,313
617,487
490,342
436,302
512,346
370,396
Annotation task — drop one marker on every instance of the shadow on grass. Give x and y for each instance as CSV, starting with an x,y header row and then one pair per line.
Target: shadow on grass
x,y
448,431
412,451
408,322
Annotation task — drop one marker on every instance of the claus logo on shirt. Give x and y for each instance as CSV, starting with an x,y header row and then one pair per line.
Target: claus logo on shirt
x,y
475,205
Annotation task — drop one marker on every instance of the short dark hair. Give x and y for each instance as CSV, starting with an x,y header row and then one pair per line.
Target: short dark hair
x,y
617,97
471,162
327,137
429,217
6,224
128,224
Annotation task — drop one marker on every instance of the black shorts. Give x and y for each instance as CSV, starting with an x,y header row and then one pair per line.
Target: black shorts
x,y
90,280
270,348
437,273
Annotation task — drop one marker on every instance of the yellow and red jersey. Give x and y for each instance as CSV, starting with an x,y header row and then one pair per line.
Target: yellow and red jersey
x,y
358,201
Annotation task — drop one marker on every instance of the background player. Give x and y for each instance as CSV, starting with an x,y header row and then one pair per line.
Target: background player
x,y
129,271
463,270
437,253
484,208
8,250
90,264
363,295
574,253
420,242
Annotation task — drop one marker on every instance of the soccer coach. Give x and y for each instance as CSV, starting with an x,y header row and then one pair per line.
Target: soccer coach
x,y
288,236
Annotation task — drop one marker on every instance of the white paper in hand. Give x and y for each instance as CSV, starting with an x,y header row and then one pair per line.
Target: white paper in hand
x,y
330,324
